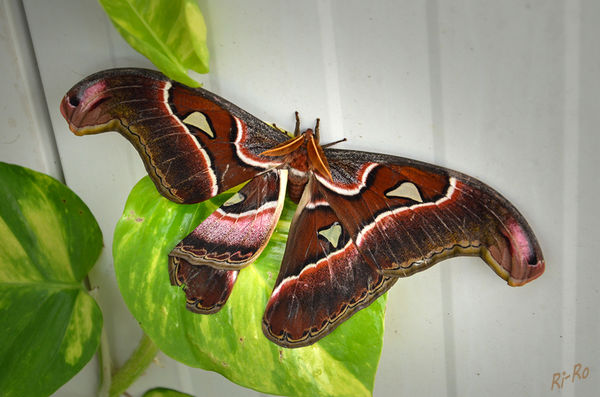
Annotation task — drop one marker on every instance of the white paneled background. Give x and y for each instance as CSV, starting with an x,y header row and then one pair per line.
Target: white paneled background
x,y
507,91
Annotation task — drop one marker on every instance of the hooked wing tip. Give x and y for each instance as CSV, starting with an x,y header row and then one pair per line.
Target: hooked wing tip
x,y
516,255
88,105
534,271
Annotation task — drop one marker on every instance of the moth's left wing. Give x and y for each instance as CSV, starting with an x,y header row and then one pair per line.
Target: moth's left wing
x,y
237,232
406,215
323,278
206,263
194,144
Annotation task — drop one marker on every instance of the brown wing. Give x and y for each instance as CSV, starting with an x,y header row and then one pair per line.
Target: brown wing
x,y
193,143
237,232
323,278
206,288
206,263
406,216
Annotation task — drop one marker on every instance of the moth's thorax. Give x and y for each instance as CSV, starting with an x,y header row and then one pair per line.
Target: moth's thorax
x,y
302,156
297,163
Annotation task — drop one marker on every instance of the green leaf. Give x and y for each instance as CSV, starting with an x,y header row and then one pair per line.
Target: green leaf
x,y
171,33
231,342
163,392
49,325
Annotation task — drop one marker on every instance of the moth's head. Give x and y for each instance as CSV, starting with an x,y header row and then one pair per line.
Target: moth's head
x,y
310,134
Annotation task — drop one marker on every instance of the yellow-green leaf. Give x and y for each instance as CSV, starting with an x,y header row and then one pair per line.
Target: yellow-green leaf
x,y
163,392
49,325
171,33
231,341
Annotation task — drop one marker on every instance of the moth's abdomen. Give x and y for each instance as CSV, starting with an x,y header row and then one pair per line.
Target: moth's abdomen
x,y
295,191
297,181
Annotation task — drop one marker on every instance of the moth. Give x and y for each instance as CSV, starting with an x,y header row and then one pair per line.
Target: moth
x,y
363,219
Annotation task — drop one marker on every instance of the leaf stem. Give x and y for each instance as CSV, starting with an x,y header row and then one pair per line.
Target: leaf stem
x,y
104,360
105,364
134,367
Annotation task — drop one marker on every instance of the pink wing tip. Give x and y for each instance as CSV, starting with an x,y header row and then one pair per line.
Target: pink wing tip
x,y
534,271
516,254
80,106
526,262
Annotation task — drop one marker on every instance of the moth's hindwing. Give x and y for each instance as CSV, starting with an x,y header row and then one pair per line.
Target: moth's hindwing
x,y
236,233
206,288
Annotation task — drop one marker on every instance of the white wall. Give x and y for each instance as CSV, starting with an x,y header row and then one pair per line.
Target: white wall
x,y
506,91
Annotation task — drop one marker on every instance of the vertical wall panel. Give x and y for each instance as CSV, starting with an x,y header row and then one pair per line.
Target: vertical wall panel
x,y
585,267
503,112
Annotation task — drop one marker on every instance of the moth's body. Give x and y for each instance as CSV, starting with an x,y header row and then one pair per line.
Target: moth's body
x,y
363,219
299,169
302,156
297,181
